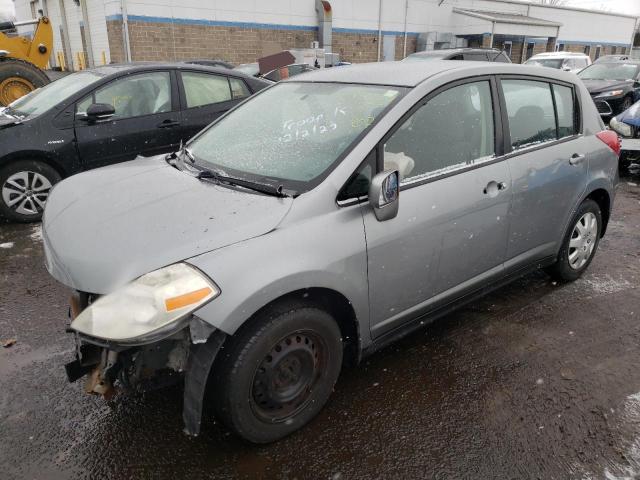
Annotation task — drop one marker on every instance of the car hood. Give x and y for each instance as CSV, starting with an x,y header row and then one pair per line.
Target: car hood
x,y
598,86
631,115
106,227
7,120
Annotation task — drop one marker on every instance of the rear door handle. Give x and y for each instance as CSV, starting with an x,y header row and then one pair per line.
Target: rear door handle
x,y
168,123
493,188
576,159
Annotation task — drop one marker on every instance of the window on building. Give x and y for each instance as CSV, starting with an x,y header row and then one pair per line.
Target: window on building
x,y
598,48
507,47
453,129
559,47
205,89
133,96
587,49
530,47
530,110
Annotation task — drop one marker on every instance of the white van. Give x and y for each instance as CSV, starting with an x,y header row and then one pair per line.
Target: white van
x,y
567,61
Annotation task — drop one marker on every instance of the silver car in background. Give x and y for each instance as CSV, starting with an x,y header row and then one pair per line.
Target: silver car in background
x,y
320,220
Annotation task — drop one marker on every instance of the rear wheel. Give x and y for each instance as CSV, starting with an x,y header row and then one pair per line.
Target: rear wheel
x,y
17,78
24,190
278,373
580,243
626,103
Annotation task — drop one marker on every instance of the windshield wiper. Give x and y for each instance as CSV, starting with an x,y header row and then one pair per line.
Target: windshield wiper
x,y
258,187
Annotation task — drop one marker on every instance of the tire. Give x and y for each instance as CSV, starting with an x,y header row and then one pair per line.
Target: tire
x,y
626,103
576,254
294,348
26,77
24,189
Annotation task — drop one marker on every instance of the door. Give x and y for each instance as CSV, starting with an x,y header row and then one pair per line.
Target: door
x,y
206,96
389,48
451,229
548,165
145,120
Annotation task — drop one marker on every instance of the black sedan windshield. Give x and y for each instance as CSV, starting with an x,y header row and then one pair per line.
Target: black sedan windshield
x,y
610,71
42,99
293,132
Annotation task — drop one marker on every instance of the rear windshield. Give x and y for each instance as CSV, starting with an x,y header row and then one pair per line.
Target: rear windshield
x,y
610,71
545,62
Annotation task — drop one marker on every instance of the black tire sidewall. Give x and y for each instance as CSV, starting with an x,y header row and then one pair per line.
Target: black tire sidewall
x,y
20,166
561,270
234,372
19,68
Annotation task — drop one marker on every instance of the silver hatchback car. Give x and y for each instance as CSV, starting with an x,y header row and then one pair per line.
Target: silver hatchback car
x,y
320,220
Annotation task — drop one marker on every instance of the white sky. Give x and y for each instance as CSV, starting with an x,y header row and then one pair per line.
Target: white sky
x,y
629,7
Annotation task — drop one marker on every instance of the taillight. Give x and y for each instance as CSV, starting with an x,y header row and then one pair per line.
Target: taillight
x,y
611,139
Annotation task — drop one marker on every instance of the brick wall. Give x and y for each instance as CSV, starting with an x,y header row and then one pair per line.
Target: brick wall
x,y
412,45
357,47
166,41
116,47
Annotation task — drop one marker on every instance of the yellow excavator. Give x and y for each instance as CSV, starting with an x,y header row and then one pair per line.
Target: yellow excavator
x,y
22,60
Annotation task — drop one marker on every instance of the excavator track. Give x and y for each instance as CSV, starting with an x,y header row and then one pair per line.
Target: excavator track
x,y
17,78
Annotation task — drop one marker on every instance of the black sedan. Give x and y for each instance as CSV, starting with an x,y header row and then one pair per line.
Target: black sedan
x,y
614,86
102,116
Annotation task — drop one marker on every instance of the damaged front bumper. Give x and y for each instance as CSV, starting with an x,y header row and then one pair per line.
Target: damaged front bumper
x,y
186,353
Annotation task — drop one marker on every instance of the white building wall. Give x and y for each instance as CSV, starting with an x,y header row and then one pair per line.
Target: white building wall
x,y
348,16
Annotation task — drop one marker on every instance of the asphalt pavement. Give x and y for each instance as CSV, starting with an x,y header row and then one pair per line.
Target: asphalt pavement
x,y
537,380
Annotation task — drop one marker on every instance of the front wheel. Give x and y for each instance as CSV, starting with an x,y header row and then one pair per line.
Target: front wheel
x,y
580,243
276,374
24,190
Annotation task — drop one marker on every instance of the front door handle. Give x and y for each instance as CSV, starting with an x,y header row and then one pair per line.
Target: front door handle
x,y
576,159
168,123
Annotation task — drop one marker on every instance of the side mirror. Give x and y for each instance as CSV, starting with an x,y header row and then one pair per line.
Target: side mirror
x,y
384,191
100,111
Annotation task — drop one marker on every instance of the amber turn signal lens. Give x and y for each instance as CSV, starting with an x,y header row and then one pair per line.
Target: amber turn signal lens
x,y
186,299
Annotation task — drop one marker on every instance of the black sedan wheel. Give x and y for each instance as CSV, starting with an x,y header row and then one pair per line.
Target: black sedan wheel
x,y
24,190
277,373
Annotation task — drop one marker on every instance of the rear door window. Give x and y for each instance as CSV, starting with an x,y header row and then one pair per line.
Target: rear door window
x,y
565,105
530,109
205,89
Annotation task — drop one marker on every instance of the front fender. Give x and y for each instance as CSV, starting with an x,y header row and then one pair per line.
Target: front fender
x,y
327,251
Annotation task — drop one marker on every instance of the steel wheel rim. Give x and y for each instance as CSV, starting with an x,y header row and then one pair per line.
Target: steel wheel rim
x,y
26,192
583,240
284,381
13,88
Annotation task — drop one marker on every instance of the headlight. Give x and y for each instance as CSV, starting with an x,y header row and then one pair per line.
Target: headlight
x,y
621,127
151,305
610,93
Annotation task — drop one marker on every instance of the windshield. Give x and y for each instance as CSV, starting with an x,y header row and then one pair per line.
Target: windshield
x,y
293,132
609,71
545,62
42,99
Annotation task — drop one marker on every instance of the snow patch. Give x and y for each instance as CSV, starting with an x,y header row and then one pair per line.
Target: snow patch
x,y
630,418
606,284
36,233
6,245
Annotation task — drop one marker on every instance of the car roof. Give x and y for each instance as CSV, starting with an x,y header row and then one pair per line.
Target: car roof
x,y
456,50
410,74
118,68
559,54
